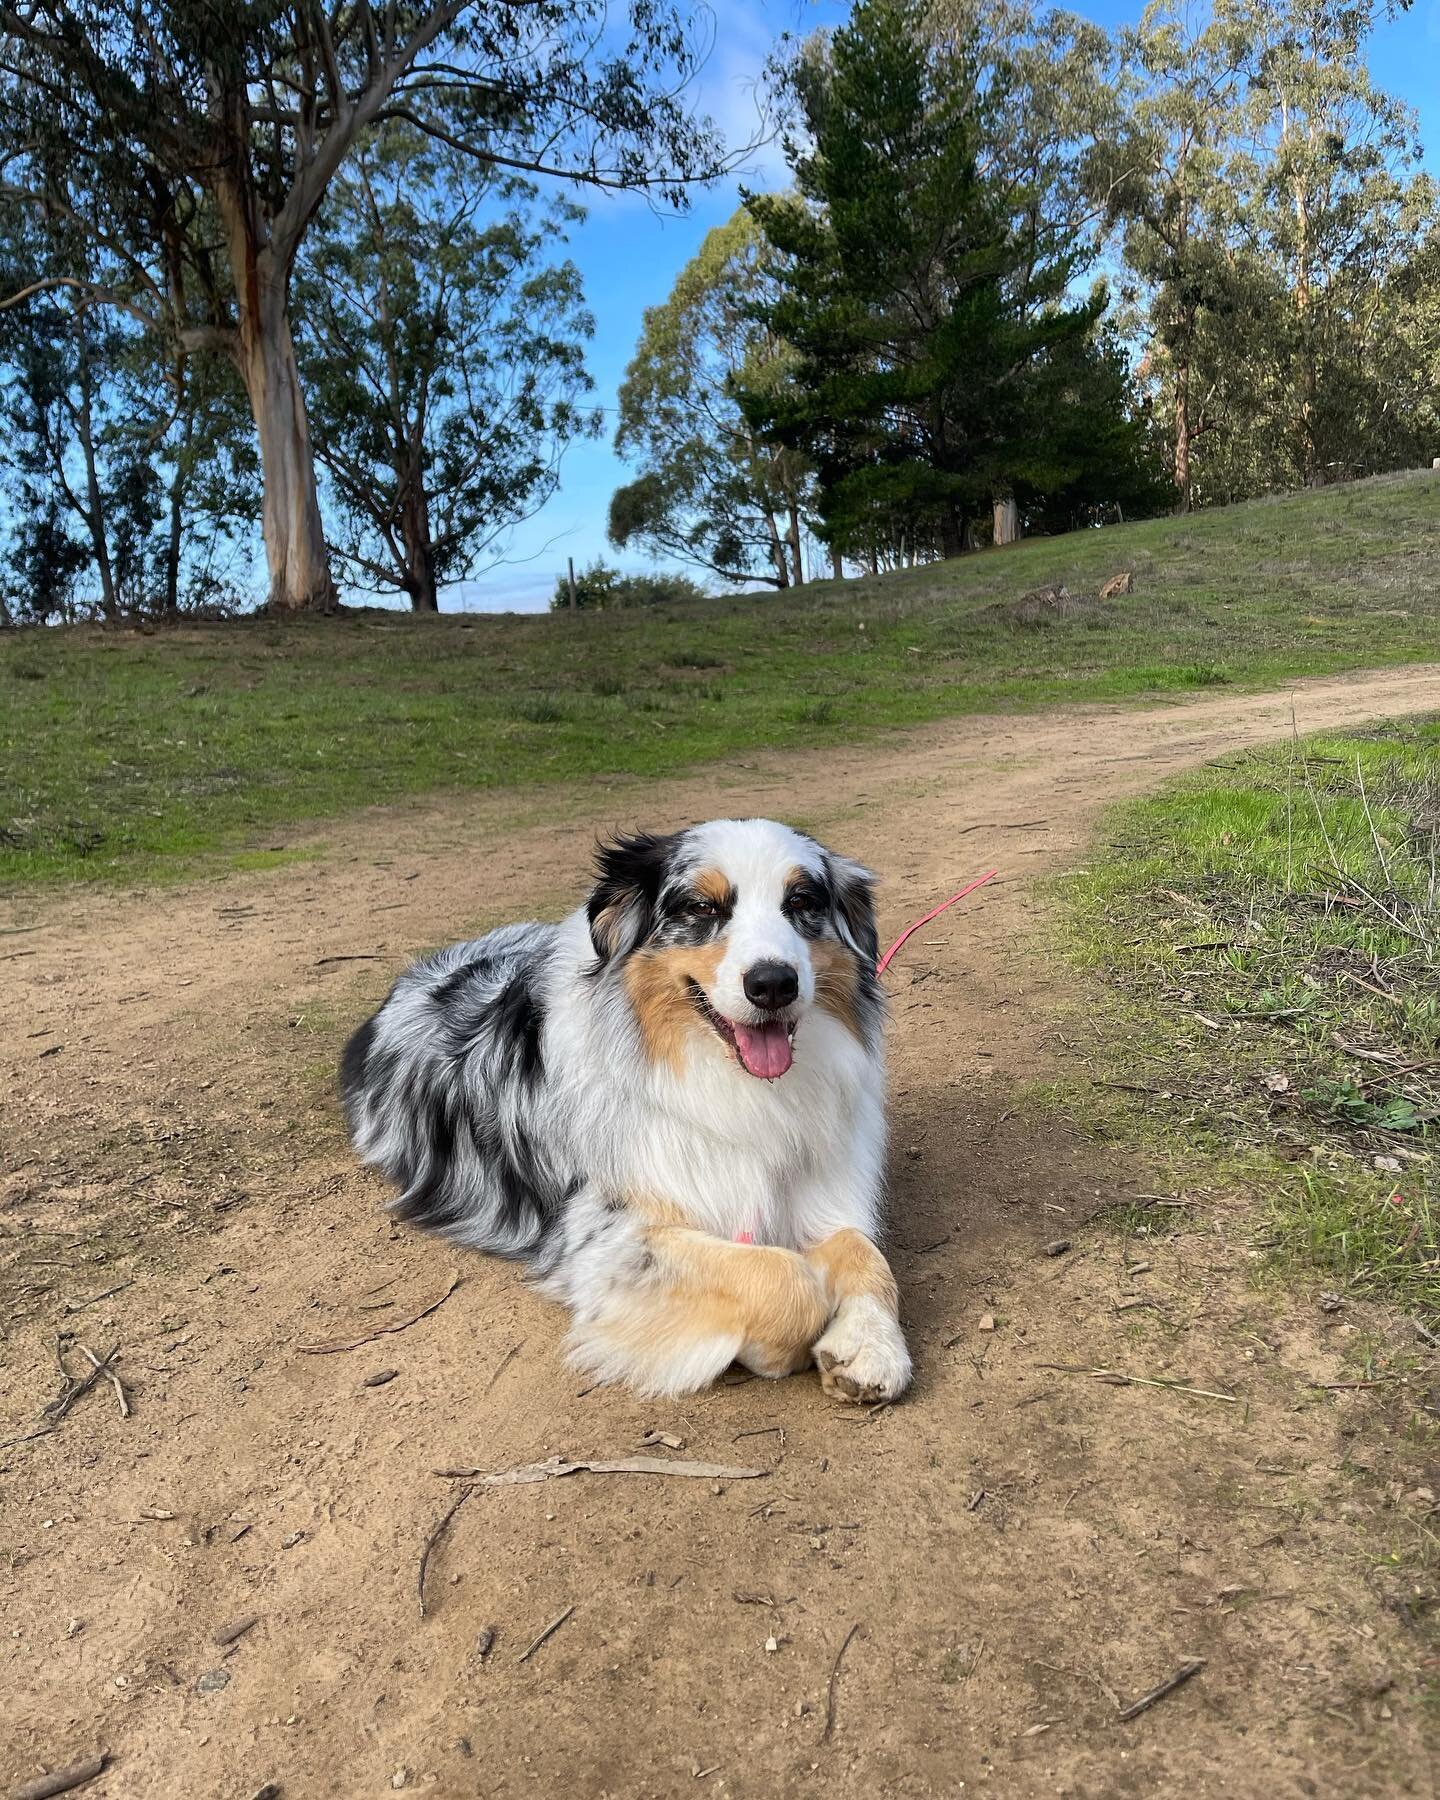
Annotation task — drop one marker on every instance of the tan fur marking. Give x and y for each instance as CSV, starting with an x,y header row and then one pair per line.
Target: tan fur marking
x,y
712,884
837,983
852,1267
656,981
772,1300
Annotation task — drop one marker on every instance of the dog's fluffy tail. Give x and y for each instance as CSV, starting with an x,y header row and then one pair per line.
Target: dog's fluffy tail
x,y
439,1086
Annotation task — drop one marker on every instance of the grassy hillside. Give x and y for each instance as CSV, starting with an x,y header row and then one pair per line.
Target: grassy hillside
x,y
1268,931
126,755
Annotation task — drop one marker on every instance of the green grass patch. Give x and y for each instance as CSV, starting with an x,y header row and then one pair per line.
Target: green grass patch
x,y
131,756
1270,932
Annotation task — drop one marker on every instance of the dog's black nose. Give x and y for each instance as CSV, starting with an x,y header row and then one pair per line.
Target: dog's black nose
x,y
771,985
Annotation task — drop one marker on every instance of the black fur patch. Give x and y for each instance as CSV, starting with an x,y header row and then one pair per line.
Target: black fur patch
x,y
516,1020
630,872
353,1060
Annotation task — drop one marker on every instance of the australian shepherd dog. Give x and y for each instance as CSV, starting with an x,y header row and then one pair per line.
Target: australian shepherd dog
x,y
670,1106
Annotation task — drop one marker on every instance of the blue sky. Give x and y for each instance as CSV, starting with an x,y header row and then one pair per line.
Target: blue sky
x,y
629,255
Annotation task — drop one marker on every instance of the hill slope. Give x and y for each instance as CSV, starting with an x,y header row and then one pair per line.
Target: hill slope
x,y
126,755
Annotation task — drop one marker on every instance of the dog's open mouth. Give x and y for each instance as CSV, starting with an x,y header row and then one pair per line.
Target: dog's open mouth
x,y
764,1051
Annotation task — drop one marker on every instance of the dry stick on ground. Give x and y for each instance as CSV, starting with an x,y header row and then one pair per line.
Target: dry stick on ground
x,y
825,1735
103,1368
504,1363
1192,1667
435,1537
332,1344
1117,1379
62,1781
372,956
556,1467
549,1630
74,1306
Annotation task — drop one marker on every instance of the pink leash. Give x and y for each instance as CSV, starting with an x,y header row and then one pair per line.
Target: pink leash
x,y
910,930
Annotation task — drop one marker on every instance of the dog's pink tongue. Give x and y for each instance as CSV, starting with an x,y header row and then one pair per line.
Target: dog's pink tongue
x,y
764,1049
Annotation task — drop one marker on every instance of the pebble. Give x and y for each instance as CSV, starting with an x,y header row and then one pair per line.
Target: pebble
x,y
380,1377
212,1681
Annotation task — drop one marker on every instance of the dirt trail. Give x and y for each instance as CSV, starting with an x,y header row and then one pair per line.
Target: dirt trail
x,y
1022,1550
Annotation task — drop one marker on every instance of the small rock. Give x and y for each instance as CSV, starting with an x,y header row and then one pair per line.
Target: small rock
x,y
1390,1164
987,1322
380,1377
291,1539
212,1681
772,1645
1276,1083
1331,1303
400,1777
1057,1246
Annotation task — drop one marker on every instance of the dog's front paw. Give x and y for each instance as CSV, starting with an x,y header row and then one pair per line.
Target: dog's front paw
x,y
862,1356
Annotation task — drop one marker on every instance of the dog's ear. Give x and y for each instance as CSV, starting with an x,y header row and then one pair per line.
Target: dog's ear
x,y
854,888
629,874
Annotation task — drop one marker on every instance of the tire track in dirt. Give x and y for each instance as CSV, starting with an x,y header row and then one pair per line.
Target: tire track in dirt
x,y
182,1139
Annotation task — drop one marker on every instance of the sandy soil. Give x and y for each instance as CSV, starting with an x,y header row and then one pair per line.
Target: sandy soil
x,y
1023,1552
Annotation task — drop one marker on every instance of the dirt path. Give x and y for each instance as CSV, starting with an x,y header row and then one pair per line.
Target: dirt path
x,y
1022,1550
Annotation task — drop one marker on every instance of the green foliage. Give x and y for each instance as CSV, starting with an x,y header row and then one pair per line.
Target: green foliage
x,y
939,363
710,489
443,357
126,757
1279,247
600,588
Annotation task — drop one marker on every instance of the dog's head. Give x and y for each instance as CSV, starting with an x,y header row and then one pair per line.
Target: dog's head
x,y
732,932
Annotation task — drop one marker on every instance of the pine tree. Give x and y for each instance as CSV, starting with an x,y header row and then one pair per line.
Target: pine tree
x,y
933,340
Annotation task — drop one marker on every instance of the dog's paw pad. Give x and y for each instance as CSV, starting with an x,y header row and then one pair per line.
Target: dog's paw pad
x,y
863,1361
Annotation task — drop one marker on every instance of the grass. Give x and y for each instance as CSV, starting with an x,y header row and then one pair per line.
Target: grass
x,y
1271,931
130,756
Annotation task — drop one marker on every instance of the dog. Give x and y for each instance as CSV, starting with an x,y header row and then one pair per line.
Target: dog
x,y
670,1106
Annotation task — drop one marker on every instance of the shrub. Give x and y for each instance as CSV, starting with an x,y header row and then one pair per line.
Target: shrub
x,y
601,588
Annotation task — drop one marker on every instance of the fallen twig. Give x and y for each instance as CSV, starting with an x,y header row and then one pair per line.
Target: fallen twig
x,y
435,1537
1191,1667
549,1631
74,1306
830,1689
61,1781
229,1634
1118,1380
103,1368
332,1344
504,1363
556,1466
320,962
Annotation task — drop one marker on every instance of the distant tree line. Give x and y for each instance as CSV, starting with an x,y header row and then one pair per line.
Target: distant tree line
x,y
286,260
1030,275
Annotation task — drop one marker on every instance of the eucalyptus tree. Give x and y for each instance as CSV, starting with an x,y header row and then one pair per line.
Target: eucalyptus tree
x,y
710,488
1334,204
192,142
444,357
1164,180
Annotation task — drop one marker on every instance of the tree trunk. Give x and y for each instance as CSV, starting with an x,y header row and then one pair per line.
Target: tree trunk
x,y
1007,522
1182,436
952,534
419,551
171,600
295,550
837,565
94,512
778,560
794,540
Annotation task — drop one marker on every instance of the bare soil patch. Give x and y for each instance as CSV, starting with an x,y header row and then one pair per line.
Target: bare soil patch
x,y
1024,1551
